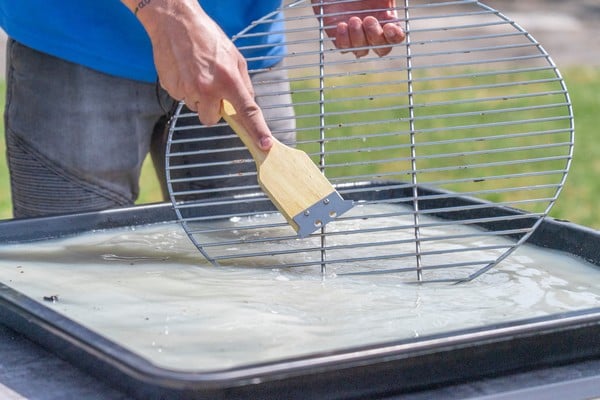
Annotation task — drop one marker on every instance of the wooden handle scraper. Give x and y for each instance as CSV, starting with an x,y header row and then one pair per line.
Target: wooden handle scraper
x,y
292,181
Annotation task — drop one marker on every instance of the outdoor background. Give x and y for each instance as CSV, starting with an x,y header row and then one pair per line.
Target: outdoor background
x,y
569,31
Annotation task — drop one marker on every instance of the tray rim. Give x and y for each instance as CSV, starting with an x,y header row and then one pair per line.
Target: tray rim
x,y
451,354
455,356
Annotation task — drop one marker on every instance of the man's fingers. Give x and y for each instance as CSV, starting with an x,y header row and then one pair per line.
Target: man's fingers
x,y
209,110
393,33
375,37
243,70
251,118
342,37
357,37
249,114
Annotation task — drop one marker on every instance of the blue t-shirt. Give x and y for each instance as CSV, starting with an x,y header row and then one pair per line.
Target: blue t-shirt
x,y
104,35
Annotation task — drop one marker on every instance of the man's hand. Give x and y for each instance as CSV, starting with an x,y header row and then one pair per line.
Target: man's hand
x,y
354,26
197,63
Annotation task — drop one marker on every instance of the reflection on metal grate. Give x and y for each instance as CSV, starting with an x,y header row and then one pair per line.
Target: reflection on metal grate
x,y
454,147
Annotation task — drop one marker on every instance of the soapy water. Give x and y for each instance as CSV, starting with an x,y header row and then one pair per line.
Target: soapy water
x,y
370,238
148,289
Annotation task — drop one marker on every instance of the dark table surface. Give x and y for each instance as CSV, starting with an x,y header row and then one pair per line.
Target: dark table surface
x,y
27,371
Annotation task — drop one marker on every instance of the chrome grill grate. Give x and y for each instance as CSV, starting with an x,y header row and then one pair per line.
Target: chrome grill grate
x,y
454,147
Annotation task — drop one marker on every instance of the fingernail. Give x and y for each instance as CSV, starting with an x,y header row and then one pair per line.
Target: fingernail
x,y
266,142
389,32
370,22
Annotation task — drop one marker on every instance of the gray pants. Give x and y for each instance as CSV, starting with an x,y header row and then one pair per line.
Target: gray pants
x,y
76,138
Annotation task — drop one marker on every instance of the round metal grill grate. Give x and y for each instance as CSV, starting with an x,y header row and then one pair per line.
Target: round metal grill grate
x,y
454,147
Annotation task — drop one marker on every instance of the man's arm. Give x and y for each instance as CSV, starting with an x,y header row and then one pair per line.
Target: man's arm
x,y
197,63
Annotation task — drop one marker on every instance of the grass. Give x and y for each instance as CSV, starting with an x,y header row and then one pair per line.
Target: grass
x,y
577,202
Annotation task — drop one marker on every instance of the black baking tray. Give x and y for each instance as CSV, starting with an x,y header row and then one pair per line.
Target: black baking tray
x,y
380,370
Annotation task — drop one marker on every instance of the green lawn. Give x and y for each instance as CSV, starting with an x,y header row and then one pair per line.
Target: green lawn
x,y
579,200
576,203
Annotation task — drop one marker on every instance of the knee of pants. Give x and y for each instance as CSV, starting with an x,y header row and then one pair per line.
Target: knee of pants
x,y
41,187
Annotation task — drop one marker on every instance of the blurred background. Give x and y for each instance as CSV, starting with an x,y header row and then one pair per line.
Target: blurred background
x,y
570,33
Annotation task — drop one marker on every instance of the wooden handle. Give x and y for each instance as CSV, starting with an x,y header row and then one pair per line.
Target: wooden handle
x,y
293,182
